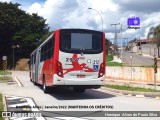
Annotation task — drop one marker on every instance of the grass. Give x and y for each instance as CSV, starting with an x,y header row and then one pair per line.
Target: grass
x,y
109,58
6,72
113,64
6,78
1,106
130,88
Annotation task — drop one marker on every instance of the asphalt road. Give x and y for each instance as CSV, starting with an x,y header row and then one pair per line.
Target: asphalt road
x,y
137,60
66,97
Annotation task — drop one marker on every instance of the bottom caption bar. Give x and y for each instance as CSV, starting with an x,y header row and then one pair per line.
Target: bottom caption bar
x,y
80,114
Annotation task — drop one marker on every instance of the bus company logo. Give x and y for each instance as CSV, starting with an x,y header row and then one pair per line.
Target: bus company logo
x,y
133,23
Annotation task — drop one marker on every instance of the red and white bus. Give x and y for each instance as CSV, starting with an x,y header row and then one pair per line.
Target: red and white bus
x,y
71,58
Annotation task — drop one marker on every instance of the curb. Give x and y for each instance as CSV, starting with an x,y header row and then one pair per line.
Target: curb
x,y
149,56
18,82
155,95
113,81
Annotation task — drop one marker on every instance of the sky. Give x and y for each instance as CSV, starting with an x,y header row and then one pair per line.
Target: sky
x,y
75,14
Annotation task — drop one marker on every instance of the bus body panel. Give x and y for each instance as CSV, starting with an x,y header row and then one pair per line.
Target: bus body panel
x,y
78,69
80,72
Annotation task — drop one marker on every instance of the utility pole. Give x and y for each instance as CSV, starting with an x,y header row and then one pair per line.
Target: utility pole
x,y
121,42
140,44
115,37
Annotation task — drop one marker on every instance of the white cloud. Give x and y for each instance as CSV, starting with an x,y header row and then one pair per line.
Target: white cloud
x,y
58,14
35,8
75,14
5,0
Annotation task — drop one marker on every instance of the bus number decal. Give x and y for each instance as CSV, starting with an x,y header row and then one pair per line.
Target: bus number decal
x,y
72,59
95,62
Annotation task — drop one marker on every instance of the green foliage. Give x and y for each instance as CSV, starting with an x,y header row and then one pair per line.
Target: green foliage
x,y
6,72
154,32
1,105
108,44
44,37
5,78
19,28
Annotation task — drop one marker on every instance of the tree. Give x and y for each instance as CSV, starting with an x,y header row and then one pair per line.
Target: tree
x,y
19,28
108,44
154,32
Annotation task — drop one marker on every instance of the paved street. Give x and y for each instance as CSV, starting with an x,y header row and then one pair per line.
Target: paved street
x,y
137,60
66,97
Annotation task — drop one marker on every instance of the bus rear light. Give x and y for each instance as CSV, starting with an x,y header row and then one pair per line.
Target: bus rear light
x,y
59,69
102,70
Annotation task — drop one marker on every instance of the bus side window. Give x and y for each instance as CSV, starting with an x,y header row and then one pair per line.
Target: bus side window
x,y
45,52
31,59
34,58
41,57
49,48
53,43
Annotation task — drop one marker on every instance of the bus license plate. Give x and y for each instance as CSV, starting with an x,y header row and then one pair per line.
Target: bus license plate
x,y
81,76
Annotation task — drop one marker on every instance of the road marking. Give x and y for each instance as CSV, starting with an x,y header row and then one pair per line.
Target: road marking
x,y
20,104
13,101
22,100
31,103
19,83
26,109
22,118
14,98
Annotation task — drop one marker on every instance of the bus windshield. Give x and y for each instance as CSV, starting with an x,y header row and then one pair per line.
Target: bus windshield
x,y
79,41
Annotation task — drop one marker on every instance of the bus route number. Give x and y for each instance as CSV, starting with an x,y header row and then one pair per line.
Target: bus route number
x,y
72,59
96,62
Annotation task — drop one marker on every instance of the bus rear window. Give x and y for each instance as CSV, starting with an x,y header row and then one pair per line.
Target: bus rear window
x,y
90,43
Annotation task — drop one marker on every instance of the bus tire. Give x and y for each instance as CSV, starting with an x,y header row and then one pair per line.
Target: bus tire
x,y
45,88
34,82
79,90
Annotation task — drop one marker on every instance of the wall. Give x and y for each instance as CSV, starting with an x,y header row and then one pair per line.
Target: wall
x,y
148,49
139,74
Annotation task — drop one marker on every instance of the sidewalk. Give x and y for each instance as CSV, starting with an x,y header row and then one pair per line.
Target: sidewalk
x,y
146,55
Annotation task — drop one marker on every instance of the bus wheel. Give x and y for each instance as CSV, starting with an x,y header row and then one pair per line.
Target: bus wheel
x,y
45,88
79,90
34,82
